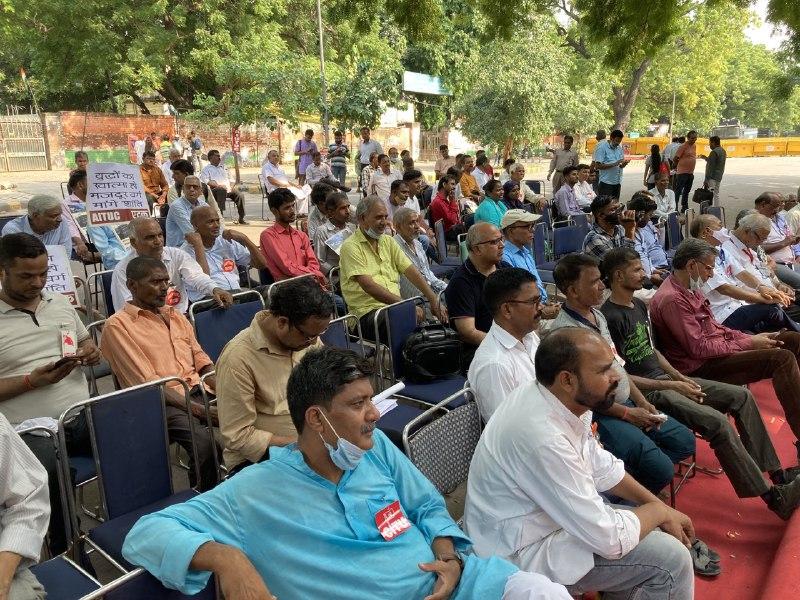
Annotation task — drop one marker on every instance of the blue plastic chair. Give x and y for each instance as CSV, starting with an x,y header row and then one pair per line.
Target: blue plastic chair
x,y
6,219
214,328
100,285
717,211
401,321
62,579
537,186
674,233
141,585
441,246
568,240
128,432
339,335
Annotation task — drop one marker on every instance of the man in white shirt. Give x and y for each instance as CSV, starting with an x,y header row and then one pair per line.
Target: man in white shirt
x,y
147,239
664,197
535,480
216,176
380,183
670,150
366,147
166,166
406,224
504,359
782,244
738,299
274,176
584,193
317,170
24,512
480,171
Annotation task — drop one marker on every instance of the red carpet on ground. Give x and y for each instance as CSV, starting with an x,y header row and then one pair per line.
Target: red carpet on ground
x,y
759,551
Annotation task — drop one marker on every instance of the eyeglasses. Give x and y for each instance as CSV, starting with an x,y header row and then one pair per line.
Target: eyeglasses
x,y
494,242
532,302
306,335
709,267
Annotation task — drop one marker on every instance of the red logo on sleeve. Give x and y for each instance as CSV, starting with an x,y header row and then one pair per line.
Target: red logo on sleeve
x,y
173,297
391,521
228,265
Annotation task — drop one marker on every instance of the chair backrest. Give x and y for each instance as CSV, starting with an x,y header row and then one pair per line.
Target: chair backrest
x,y
214,328
5,219
442,448
262,185
139,584
162,221
717,211
704,205
674,234
536,185
462,246
540,243
129,439
401,320
100,284
338,335
547,217
581,221
441,241
64,189
281,282
567,240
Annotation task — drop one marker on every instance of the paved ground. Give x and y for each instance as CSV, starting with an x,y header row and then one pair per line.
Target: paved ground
x,y
744,179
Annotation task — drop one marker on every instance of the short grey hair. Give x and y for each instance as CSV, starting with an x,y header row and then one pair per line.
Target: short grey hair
x,y
403,215
136,223
365,205
691,249
516,167
743,213
41,203
753,222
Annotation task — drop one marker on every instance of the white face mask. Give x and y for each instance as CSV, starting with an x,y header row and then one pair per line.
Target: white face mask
x,y
695,283
721,235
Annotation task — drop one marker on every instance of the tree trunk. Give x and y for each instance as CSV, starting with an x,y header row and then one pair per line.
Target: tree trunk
x,y
625,99
172,95
140,103
507,148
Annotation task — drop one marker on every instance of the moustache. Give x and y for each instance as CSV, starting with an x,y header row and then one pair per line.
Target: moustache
x,y
368,428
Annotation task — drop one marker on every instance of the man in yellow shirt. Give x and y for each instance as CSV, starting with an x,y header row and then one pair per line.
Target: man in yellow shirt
x,y
371,265
469,185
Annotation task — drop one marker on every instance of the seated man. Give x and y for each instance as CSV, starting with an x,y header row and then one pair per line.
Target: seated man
x,y
782,244
738,299
384,530
504,359
518,227
147,239
533,492
372,264
36,378
629,428
701,404
222,253
694,342
336,228
380,182
44,222
527,195
565,201
274,176
254,367
317,170
25,510
216,176
664,197
646,239
147,340
445,207
613,227
179,224
584,193
155,184
105,239
470,188
406,224
316,215
181,169
469,314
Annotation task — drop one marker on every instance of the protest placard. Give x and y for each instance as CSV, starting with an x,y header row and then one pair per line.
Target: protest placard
x,y
115,194
59,274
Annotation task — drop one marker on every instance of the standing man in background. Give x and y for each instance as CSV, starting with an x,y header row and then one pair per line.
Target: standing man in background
x,y
562,158
304,149
715,167
610,160
685,160
365,149
338,155
601,140
445,162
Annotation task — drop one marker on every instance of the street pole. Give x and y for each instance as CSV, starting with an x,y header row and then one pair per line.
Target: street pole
x,y
672,116
322,74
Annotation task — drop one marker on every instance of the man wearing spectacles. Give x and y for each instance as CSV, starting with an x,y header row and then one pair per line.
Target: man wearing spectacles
x,y
504,360
469,314
254,367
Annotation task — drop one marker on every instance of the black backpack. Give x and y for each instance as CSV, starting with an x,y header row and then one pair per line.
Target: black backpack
x,y
431,352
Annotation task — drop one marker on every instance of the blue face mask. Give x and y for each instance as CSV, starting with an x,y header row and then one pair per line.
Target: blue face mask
x,y
346,455
375,235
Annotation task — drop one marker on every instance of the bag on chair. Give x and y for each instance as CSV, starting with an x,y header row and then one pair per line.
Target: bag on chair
x,y
431,352
702,195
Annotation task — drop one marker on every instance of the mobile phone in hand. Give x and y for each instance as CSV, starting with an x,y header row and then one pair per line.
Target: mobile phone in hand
x,y
67,359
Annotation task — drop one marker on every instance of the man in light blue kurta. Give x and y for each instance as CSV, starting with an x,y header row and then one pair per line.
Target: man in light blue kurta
x,y
376,529
44,222
180,212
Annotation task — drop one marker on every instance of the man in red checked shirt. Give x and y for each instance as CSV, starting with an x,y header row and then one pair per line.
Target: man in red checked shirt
x,y
288,251
444,206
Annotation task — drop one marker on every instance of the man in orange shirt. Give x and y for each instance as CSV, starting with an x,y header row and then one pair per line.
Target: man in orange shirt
x,y
155,184
148,340
469,185
685,160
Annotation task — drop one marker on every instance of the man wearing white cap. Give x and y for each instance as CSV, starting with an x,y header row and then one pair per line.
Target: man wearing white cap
x,y
517,226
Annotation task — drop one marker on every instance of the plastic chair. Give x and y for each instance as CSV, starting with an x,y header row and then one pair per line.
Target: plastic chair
x,y
64,190
262,186
717,211
5,219
441,246
281,282
128,432
567,240
100,285
214,328
401,320
63,579
140,585
442,448
339,335
538,186
674,233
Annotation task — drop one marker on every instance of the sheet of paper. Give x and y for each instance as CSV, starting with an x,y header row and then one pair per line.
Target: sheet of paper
x,y
115,194
59,274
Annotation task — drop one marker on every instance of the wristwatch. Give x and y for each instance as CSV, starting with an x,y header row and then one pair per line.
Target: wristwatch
x,y
452,556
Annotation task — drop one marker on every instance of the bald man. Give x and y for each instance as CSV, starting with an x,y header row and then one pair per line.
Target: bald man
x,y
147,239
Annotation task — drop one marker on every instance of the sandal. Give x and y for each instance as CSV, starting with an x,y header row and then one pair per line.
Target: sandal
x,y
702,548
703,565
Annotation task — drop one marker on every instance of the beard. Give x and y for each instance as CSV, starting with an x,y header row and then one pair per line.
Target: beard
x,y
594,401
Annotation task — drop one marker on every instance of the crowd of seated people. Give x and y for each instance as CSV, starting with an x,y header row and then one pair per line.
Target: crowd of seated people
x,y
588,403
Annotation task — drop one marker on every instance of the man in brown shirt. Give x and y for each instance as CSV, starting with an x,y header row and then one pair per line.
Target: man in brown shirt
x,y
147,340
155,184
254,367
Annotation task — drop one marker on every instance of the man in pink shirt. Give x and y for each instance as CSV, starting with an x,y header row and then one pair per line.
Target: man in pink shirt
x,y
288,251
685,160
697,345
444,206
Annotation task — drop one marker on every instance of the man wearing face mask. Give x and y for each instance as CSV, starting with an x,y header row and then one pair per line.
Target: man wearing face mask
x,y
695,343
363,522
533,492
372,264
613,227
738,299
646,239
629,428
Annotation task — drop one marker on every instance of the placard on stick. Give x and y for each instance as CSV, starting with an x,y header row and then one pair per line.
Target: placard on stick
x,y
59,274
115,194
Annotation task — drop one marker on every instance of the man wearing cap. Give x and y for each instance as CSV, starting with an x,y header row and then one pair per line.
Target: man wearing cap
x,y
517,226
